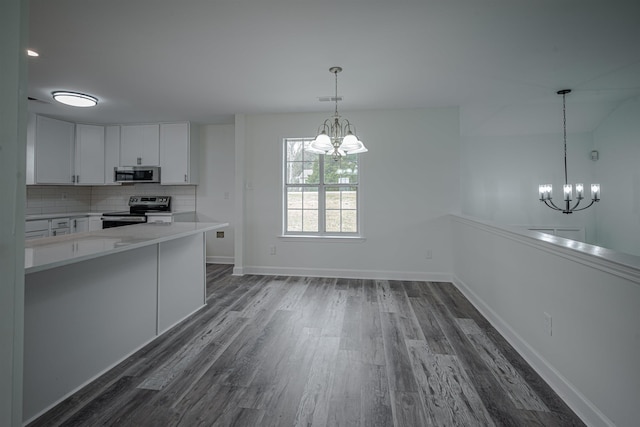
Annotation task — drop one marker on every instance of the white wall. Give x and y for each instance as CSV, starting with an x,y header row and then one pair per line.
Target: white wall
x,y
215,195
13,125
617,139
591,358
500,177
409,182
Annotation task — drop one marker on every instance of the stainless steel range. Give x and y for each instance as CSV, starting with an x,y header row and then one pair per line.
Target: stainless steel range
x,y
138,207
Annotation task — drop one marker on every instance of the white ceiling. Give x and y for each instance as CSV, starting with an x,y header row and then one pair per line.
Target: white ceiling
x,y
500,61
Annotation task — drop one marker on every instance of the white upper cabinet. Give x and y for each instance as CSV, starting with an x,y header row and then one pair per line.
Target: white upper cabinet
x,y
140,145
90,164
111,152
179,153
50,151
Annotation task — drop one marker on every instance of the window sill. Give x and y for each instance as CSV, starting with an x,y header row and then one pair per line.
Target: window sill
x,y
322,239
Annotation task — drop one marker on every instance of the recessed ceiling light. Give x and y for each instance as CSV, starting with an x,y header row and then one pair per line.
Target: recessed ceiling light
x,y
75,99
32,53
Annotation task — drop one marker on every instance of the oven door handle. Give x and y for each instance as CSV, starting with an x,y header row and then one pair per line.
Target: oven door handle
x,y
122,218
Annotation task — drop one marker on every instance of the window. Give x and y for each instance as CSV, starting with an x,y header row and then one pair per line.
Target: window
x,y
320,194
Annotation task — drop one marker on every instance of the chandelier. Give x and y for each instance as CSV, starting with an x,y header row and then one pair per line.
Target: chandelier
x,y
336,136
545,190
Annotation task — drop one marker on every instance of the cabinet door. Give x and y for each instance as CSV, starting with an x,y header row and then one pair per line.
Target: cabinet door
x,y
174,153
178,153
95,223
140,145
79,225
111,152
54,151
89,155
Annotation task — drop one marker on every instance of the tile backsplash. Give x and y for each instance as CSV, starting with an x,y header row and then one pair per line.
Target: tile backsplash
x,y
47,199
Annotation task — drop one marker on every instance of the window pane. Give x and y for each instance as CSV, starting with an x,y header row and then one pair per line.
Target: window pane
x,y
332,198
295,150
349,221
332,219
310,157
311,173
344,171
294,198
294,220
310,221
295,172
349,198
310,198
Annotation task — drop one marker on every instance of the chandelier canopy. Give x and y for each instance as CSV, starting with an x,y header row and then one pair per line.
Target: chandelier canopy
x,y
545,190
336,136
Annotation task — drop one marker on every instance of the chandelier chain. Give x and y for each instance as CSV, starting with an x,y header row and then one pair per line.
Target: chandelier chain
x,y
335,73
564,127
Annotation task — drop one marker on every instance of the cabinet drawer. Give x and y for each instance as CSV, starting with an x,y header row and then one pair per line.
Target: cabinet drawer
x,y
59,223
37,225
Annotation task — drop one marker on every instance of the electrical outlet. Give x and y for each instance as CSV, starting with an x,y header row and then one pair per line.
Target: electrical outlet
x,y
272,249
428,254
548,323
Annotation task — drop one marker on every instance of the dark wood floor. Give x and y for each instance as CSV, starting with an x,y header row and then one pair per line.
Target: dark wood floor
x,y
285,351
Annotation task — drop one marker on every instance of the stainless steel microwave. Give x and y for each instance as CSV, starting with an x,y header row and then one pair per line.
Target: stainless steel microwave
x,y
132,174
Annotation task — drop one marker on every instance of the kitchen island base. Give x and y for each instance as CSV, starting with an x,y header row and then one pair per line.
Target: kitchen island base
x,y
83,318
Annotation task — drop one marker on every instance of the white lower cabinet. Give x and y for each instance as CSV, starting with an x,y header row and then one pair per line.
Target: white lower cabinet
x,y
36,229
80,225
95,223
159,218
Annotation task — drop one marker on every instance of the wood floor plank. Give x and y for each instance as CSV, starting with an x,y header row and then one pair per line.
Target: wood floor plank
x,y
374,396
399,370
445,389
207,407
296,287
408,410
510,380
393,299
313,409
351,334
183,357
431,330
265,396
372,344
495,400
345,407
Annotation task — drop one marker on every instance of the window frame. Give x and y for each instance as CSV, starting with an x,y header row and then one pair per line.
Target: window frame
x,y
321,234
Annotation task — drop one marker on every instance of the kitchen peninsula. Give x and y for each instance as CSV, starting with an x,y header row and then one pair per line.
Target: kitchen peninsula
x,y
92,299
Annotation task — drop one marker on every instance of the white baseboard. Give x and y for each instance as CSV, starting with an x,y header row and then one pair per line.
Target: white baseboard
x,y
582,406
238,271
220,260
347,274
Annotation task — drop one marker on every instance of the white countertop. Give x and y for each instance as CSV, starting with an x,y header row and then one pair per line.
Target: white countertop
x,y
92,213
61,215
51,252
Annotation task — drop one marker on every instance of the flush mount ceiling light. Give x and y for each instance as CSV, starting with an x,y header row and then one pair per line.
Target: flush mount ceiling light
x,y
544,190
75,99
336,136
32,53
